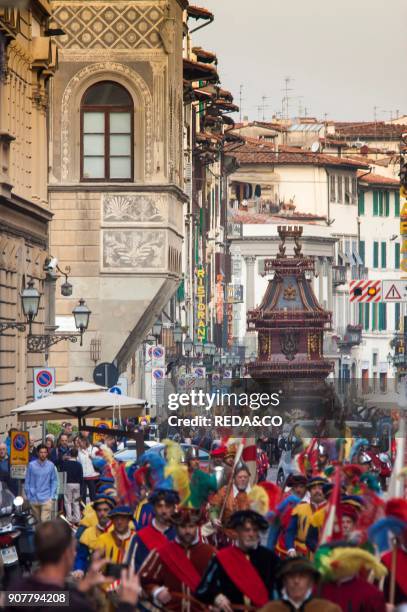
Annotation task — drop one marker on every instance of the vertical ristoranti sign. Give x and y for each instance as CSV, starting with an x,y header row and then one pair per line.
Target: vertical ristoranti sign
x,y
200,304
403,213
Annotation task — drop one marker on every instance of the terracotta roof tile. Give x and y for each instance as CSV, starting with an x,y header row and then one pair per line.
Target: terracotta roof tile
x,y
372,129
255,151
377,179
206,57
198,12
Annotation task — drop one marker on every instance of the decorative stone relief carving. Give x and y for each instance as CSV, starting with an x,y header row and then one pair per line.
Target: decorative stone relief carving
x,y
92,69
167,33
126,208
133,250
107,25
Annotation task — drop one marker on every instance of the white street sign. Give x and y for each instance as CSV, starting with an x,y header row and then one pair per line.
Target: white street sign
x,y
44,382
394,291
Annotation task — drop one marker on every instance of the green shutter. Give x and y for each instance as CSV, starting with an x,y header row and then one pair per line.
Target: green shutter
x,y
396,203
366,321
396,255
361,203
375,203
387,194
384,262
380,203
181,291
196,231
382,316
375,254
397,317
360,318
374,317
362,250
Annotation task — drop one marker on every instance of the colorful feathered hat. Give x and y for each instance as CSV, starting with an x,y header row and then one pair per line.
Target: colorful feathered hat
x,y
397,507
337,562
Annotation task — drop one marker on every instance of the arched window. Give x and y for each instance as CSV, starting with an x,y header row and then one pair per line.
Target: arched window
x,y
107,133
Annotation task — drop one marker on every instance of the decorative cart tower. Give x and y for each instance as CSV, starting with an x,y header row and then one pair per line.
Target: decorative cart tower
x,y
290,325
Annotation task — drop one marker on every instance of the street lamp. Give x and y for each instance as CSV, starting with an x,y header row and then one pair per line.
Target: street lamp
x,y
38,343
156,329
188,345
177,333
81,315
199,349
30,300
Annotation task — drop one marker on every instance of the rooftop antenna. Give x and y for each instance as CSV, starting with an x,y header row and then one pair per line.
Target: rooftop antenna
x,y
286,98
264,106
240,102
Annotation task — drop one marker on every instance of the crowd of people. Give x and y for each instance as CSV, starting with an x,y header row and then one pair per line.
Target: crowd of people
x,y
169,533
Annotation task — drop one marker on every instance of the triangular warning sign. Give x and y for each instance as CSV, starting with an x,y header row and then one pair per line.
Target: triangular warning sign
x,y
393,294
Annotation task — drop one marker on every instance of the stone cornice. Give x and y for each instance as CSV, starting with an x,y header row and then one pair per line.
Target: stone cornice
x,y
113,187
27,207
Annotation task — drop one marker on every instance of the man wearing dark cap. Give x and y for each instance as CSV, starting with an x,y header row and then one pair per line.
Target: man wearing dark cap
x,y
298,578
297,483
242,574
115,542
177,567
161,529
301,516
102,505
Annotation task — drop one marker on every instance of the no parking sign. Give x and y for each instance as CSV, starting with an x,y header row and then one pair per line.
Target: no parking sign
x,y
44,382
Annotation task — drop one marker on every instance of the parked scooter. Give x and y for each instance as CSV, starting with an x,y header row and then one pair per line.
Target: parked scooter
x,y
17,551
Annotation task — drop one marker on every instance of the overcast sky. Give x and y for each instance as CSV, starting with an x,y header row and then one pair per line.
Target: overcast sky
x,y
344,57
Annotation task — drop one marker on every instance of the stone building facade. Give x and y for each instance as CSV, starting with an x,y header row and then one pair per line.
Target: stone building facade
x,y
116,169
28,59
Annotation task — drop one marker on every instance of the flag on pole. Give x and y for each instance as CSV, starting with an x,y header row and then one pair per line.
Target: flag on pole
x,y
332,529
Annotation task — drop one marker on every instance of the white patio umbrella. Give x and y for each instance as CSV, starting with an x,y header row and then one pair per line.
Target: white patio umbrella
x,y
81,400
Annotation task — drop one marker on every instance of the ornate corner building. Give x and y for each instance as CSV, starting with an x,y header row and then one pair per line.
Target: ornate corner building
x,y
28,60
116,168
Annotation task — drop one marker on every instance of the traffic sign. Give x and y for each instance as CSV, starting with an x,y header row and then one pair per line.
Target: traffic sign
x,y
106,375
157,356
19,448
120,388
158,373
103,424
44,382
394,290
116,390
199,371
365,290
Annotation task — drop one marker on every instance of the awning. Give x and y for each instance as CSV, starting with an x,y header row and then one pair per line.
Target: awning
x,y
195,71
